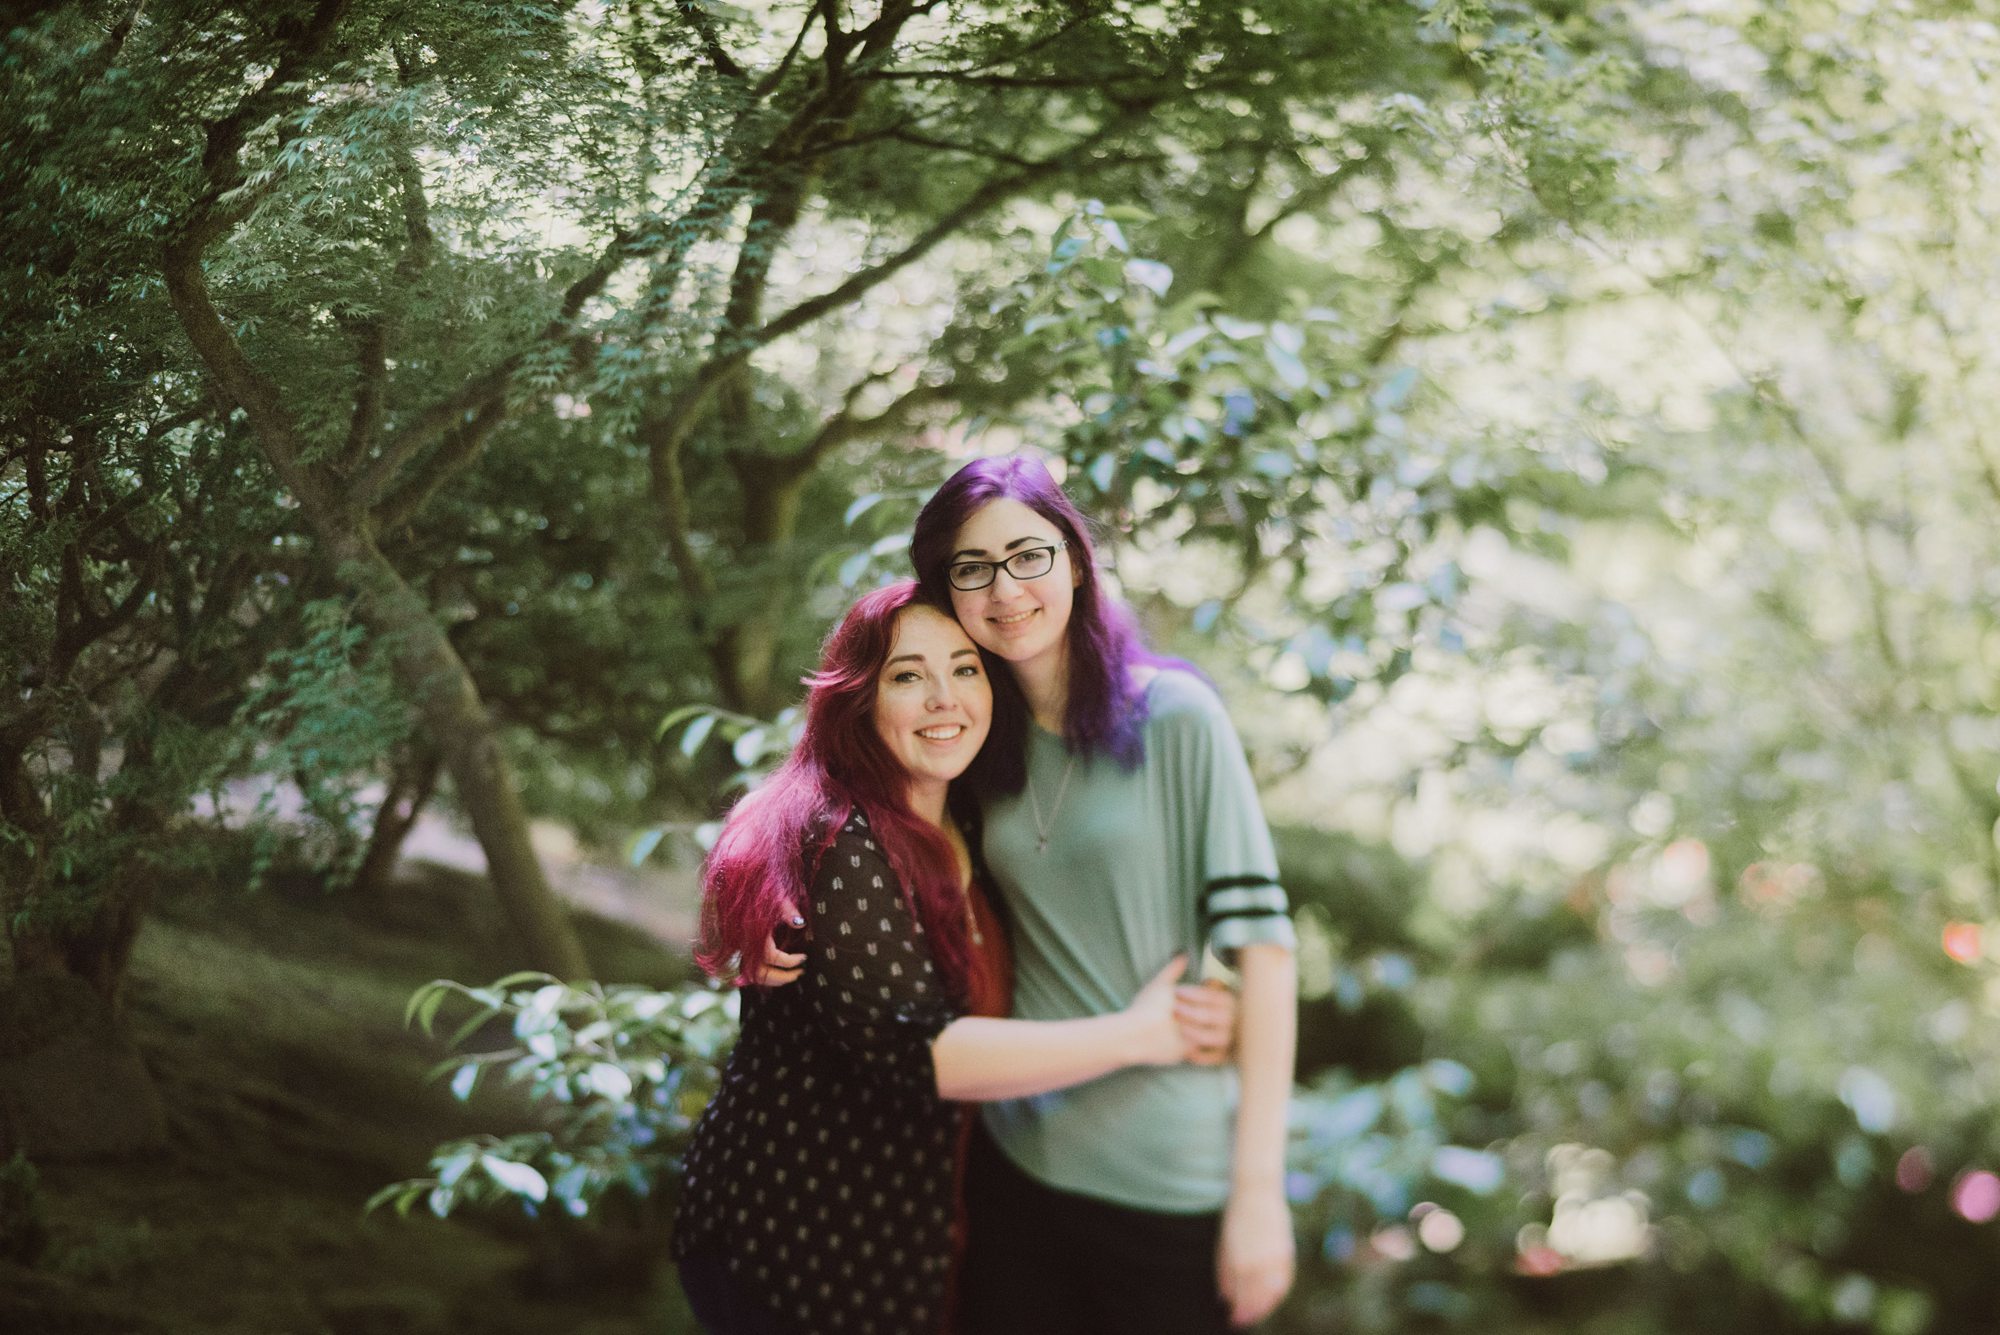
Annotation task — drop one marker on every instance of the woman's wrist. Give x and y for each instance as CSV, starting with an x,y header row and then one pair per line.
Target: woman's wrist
x,y
1257,1184
1129,1038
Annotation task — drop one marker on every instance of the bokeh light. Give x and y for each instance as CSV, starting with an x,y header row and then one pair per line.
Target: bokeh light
x,y
1438,1228
1915,1170
1976,1196
1962,941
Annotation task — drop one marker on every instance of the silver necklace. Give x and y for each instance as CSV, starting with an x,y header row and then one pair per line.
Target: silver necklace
x,y
1044,828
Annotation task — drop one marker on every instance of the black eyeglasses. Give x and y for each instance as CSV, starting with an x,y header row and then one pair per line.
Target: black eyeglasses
x,y
1028,563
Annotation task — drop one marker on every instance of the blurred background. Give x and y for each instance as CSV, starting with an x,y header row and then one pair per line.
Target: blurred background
x,y
437,434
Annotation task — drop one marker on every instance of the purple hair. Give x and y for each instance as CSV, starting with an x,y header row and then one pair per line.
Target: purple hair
x,y
1104,713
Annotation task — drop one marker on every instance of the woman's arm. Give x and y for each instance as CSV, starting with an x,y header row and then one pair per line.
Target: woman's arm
x,y
871,991
1254,1261
979,1058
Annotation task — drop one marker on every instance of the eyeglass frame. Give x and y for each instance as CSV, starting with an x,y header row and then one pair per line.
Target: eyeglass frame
x,y
1006,563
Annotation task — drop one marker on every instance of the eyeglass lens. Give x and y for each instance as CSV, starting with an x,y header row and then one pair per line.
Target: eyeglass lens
x,y
1030,564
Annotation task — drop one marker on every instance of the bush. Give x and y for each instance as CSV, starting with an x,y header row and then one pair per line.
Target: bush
x,y
623,1072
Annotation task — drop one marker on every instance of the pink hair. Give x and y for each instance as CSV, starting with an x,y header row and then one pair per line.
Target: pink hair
x,y
771,843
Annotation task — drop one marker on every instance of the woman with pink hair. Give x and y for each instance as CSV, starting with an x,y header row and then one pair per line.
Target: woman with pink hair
x,y
820,1189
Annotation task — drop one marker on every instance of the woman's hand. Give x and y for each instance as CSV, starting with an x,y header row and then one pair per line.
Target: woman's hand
x,y
778,967
1157,1039
1206,1012
1253,1263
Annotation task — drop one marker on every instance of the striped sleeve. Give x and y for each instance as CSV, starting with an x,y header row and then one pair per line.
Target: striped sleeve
x,y
1242,901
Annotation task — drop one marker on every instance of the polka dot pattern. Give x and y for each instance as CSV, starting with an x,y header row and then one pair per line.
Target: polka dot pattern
x,y
822,1170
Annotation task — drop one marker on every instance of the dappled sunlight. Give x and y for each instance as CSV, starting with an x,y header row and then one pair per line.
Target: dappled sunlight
x,y
436,440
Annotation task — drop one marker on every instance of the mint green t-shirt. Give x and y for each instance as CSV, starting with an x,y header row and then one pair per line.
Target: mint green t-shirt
x,y
1139,866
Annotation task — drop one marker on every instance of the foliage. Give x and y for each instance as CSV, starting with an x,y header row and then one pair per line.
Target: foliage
x,y
1564,430
622,1072
325,713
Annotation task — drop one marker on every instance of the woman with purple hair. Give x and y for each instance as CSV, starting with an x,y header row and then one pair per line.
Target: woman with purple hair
x,y
1121,828
821,1183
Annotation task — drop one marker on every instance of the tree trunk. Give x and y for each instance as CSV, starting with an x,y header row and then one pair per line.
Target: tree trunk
x,y
455,721
21,864
413,776
426,666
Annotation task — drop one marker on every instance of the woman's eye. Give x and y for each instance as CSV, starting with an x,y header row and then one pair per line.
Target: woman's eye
x,y
906,675
968,670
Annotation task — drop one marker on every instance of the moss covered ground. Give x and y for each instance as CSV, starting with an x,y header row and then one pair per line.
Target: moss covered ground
x,y
273,1025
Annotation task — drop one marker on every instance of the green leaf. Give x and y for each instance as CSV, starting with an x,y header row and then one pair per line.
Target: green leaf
x,y
644,844
523,976
678,717
1394,392
1104,470
462,1082
860,506
1130,214
519,1178
427,1012
697,733
1152,275
418,999
568,1188
452,1167
471,1025
1476,1170
609,1080
1291,372
387,1194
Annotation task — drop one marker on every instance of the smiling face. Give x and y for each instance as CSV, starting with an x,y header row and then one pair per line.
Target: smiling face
x,y
933,703
1020,620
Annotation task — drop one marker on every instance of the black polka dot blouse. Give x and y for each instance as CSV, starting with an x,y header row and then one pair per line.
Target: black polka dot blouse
x,y
822,1171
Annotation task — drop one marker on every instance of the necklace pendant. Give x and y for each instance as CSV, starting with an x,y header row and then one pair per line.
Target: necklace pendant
x,y
1042,844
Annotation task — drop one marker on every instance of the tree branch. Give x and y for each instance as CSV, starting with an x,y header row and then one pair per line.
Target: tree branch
x,y
704,25
241,383
477,395
114,45
370,391
845,426
221,163
993,192
207,219
459,447
771,80
669,488
666,430
947,146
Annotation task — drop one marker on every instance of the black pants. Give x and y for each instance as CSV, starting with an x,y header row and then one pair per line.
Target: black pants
x,y
1048,1262
722,1305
